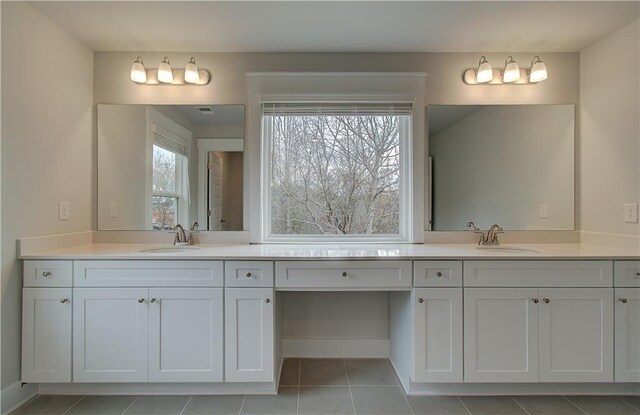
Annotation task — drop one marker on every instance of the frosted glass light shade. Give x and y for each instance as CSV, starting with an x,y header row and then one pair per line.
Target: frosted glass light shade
x,y
511,71
538,70
138,72
165,73
191,74
485,71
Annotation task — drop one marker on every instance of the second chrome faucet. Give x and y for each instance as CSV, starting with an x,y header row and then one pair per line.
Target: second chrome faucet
x,y
491,236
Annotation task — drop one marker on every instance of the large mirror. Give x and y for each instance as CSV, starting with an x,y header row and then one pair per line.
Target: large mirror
x,y
160,165
506,164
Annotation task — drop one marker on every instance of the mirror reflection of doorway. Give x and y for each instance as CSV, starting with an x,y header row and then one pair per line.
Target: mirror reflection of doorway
x,y
224,207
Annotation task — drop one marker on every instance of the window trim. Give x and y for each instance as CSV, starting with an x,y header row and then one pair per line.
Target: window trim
x,y
406,181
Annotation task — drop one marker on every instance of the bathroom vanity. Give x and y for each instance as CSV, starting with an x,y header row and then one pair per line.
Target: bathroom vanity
x,y
110,318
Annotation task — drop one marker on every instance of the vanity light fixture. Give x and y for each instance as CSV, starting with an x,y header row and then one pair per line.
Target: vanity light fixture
x,y
485,72
538,70
511,70
512,73
166,75
138,72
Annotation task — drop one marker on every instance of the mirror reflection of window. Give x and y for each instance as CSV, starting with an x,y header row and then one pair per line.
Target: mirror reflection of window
x,y
169,194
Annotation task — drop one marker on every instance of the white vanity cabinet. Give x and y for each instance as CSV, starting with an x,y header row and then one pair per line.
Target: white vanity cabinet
x,y
249,335
437,334
627,332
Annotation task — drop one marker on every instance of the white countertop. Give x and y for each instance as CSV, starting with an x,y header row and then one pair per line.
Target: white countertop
x,y
333,252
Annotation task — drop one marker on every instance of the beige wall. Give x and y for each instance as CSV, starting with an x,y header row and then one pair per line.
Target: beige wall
x,y
47,148
610,144
498,164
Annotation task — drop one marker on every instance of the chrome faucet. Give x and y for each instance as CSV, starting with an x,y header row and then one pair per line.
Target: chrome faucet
x,y
181,237
491,237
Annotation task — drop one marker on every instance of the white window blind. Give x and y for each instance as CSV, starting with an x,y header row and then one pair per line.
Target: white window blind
x,y
169,144
333,108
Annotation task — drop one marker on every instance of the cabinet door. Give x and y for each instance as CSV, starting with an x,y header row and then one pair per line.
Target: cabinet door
x,y
627,329
46,335
438,334
249,314
110,334
501,334
576,335
185,334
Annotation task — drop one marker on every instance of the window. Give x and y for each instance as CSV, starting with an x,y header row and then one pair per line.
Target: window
x,y
169,202
336,172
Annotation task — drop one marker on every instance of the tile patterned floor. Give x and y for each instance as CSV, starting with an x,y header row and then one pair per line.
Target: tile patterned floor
x,y
333,386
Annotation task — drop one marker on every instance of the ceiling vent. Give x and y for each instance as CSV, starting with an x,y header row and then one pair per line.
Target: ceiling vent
x,y
205,110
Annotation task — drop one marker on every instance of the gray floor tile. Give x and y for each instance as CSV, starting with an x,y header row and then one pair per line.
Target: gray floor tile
x,y
437,405
284,403
322,372
603,405
47,404
290,375
102,405
379,400
632,400
214,405
492,405
369,372
547,405
323,400
158,405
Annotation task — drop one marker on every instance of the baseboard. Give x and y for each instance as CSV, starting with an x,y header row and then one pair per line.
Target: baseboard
x,y
15,395
336,348
406,385
255,388
416,389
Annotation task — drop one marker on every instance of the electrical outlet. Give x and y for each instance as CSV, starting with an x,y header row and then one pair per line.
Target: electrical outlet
x,y
543,211
631,212
113,210
64,211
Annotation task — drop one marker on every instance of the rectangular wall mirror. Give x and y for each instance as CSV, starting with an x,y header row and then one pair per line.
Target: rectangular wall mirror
x,y
506,164
160,165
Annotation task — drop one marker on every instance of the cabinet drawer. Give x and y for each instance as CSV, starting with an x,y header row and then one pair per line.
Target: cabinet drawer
x,y
48,274
156,273
437,273
343,274
248,273
627,273
538,273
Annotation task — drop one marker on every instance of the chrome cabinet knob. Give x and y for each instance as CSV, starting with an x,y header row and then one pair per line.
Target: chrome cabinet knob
x,y
64,300
439,274
141,300
622,300
535,300
421,300
267,300
153,300
344,273
249,275
546,300
46,274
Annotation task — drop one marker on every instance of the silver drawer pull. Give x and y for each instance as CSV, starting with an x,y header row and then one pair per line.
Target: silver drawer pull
x,y
267,300
546,300
64,300
421,300
46,274
439,274
153,300
344,273
249,275
622,300
535,300
141,300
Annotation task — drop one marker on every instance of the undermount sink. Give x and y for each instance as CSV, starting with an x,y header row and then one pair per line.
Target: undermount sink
x,y
511,249
170,250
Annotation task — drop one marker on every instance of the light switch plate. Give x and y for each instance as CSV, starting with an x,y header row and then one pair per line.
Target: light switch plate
x,y
64,211
631,212
543,211
113,210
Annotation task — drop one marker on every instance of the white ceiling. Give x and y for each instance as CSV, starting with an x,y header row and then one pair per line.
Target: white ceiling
x,y
358,26
221,115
